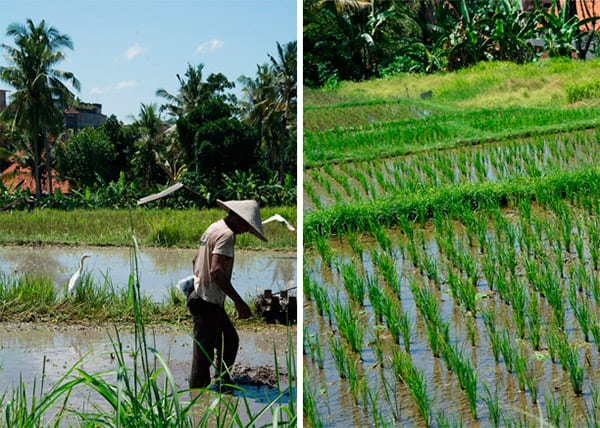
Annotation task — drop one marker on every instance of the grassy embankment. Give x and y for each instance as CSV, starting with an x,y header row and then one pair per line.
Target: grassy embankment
x,y
152,227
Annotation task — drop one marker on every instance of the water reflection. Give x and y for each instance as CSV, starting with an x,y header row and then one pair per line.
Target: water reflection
x,y
159,268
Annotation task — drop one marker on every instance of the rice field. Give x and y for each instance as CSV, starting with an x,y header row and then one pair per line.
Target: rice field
x,y
458,283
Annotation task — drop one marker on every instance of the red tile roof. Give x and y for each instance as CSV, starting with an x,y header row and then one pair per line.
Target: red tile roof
x,y
18,177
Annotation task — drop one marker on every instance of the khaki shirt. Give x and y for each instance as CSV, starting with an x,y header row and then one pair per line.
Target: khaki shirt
x,y
218,239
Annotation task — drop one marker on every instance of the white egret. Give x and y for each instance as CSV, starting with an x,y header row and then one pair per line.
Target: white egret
x,y
76,278
277,217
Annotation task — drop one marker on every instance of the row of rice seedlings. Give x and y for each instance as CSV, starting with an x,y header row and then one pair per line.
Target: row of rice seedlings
x,y
465,373
490,162
545,269
347,364
405,136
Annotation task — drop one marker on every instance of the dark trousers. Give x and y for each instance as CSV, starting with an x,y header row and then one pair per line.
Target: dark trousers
x,y
213,330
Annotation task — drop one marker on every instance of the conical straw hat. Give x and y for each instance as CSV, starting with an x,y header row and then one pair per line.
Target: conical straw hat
x,y
249,211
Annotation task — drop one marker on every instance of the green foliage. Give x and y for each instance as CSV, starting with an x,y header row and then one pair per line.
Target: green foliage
x,y
84,156
216,142
581,91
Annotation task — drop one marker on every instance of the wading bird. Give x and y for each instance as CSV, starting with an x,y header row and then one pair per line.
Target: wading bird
x,y
76,278
280,219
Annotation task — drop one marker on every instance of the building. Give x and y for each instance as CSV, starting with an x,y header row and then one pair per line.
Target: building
x,y
83,116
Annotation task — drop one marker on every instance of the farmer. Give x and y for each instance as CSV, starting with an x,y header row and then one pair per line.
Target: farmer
x,y
213,265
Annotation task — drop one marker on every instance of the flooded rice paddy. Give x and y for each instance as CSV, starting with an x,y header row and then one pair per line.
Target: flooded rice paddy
x,y
159,268
29,350
488,320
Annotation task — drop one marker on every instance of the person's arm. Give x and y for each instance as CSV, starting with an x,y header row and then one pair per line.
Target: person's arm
x,y
218,275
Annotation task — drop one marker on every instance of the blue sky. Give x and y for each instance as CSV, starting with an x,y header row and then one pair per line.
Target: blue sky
x,y
125,50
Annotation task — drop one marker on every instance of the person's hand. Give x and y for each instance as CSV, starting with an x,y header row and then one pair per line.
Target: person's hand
x,y
243,310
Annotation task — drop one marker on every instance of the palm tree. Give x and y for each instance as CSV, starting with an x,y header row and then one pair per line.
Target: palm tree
x,y
40,92
192,91
285,74
269,103
258,109
150,125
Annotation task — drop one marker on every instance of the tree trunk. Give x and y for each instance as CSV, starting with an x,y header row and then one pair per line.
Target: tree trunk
x,y
36,167
282,152
48,163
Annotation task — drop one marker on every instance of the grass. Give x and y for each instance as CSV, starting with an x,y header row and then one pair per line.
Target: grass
x,y
154,227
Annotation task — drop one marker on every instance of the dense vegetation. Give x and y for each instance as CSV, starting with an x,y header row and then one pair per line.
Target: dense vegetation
x,y
182,140
362,39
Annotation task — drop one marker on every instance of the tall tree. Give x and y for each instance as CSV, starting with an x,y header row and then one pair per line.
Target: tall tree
x,y
193,91
40,90
149,125
284,70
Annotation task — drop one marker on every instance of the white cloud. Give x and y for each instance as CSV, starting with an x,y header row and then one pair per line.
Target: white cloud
x,y
126,84
97,91
210,46
133,51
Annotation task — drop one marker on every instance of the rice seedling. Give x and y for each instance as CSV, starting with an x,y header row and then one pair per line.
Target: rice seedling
x,y
405,325
415,382
595,330
349,326
558,410
354,285
387,268
519,302
377,345
507,350
310,408
313,346
580,309
533,321
493,404
339,356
